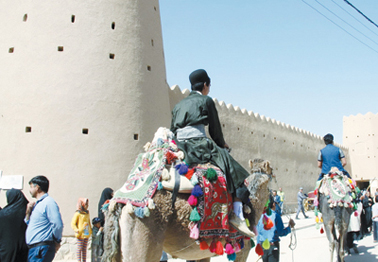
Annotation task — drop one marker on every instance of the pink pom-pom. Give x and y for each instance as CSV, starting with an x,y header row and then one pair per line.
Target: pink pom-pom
x,y
237,248
192,200
229,249
355,213
194,232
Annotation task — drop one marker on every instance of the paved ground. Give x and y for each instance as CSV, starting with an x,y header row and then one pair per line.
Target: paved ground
x,y
311,246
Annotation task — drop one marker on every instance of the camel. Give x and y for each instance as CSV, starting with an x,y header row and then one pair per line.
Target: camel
x,y
129,238
336,221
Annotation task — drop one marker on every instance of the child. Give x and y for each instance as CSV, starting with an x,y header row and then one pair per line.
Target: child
x,y
97,248
81,224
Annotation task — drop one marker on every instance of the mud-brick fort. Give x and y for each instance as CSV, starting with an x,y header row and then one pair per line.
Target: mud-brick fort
x,y
83,88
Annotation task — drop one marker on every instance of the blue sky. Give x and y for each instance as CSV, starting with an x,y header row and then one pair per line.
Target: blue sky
x,y
279,58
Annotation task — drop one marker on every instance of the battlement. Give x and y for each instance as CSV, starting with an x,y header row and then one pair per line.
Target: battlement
x,y
250,116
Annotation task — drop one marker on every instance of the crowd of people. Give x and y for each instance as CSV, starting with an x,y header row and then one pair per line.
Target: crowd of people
x,y
32,231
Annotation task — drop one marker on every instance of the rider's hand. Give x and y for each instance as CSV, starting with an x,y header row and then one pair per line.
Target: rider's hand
x,y
226,146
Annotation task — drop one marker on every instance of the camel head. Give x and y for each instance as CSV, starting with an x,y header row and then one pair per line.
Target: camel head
x,y
257,184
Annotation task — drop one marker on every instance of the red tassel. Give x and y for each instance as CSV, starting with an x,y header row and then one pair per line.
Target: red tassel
x,y
170,157
190,173
259,251
204,245
213,246
219,250
321,231
269,224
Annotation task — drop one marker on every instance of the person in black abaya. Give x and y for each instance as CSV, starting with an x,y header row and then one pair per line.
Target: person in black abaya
x,y
13,247
106,194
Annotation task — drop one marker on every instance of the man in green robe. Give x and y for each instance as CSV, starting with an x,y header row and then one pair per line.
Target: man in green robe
x,y
189,118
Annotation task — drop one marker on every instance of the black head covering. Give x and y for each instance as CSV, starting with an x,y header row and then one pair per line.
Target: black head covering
x,y
197,78
12,228
105,195
328,139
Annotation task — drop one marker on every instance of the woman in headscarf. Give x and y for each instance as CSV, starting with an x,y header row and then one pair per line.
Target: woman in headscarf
x,y
13,247
106,194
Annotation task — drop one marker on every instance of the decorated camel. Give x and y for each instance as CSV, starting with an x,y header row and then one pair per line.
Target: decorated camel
x,y
192,224
336,205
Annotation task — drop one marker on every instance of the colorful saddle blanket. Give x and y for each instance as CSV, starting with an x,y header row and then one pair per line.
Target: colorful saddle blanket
x,y
146,173
338,189
214,206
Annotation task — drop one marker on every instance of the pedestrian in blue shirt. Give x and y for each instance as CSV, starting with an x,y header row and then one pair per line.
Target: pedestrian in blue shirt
x,y
331,156
45,226
273,234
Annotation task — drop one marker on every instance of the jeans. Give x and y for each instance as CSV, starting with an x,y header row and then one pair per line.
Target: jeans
x,y
273,253
44,253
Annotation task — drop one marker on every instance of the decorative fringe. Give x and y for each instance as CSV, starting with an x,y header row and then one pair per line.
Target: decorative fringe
x,y
182,168
192,200
190,173
139,212
266,244
252,243
211,175
165,175
229,249
151,204
241,243
259,251
159,142
129,208
247,222
204,245
247,209
194,180
219,248
237,247
213,246
321,231
170,156
146,212
194,216
355,213
194,232
197,191
231,257
269,224
160,186
269,211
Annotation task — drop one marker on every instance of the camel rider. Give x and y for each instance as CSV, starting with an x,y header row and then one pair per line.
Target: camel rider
x,y
331,156
189,118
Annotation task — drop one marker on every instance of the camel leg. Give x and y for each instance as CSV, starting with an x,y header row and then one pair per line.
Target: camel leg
x,y
141,239
330,231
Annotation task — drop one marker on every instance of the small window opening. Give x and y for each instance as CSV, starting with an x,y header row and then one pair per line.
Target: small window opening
x,y
28,129
113,25
111,56
25,17
136,137
152,42
85,131
149,68
155,8
60,48
11,50
73,19
238,128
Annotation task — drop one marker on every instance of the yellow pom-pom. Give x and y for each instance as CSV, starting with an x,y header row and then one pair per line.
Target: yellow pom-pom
x,y
266,244
317,219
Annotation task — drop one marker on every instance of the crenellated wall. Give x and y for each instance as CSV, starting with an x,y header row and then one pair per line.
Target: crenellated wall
x,y
292,151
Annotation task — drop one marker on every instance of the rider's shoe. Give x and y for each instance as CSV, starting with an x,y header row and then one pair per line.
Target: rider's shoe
x,y
240,225
355,250
306,216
